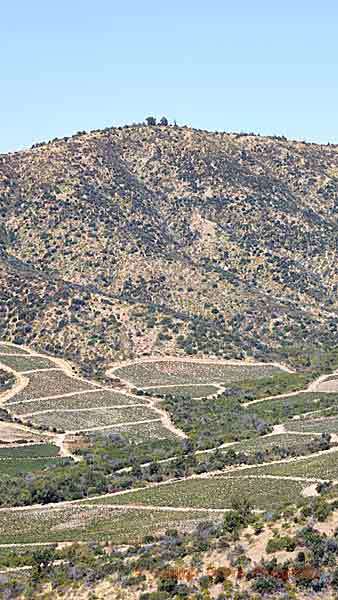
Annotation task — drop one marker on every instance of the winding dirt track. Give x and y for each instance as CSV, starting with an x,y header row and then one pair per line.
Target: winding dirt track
x,y
19,385
22,382
225,473
59,439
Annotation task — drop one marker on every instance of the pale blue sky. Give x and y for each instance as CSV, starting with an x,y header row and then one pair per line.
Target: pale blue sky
x,y
268,66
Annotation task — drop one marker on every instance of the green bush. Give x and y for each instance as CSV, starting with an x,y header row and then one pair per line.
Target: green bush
x,y
278,543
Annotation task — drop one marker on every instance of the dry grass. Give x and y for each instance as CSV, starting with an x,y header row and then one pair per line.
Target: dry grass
x,y
11,433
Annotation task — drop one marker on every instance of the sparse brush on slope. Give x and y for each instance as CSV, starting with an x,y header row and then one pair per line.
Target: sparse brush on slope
x,y
138,240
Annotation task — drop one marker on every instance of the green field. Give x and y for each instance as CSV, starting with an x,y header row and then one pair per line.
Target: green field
x,y
328,425
213,492
16,466
27,363
285,440
29,451
85,523
177,372
324,466
192,391
266,387
281,409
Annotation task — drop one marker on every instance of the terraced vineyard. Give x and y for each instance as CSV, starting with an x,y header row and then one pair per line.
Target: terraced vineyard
x,y
86,419
44,384
82,522
289,441
278,410
193,391
323,466
22,364
50,397
77,400
140,432
329,425
155,373
11,348
214,493
16,466
53,406
29,451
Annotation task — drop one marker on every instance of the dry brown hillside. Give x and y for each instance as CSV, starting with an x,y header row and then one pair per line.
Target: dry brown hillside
x,y
150,239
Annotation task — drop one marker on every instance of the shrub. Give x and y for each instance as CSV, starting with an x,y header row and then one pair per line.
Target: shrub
x,y
265,584
278,543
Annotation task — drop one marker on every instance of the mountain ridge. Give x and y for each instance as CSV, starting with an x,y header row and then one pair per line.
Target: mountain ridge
x,y
207,243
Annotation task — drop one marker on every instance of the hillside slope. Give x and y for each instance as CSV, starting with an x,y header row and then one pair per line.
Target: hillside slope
x,y
143,239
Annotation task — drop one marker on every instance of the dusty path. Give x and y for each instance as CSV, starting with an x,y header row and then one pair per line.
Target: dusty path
x,y
31,371
19,384
65,452
283,478
94,390
310,491
25,349
165,419
314,386
55,438
170,385
286,395
226,473
60,439
37,544
11,445
322,385
22,382
154,507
